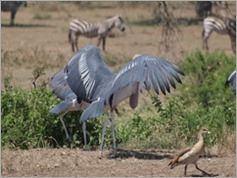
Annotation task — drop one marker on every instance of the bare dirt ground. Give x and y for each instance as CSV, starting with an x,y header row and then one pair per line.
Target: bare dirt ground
x,y
128,163
46,30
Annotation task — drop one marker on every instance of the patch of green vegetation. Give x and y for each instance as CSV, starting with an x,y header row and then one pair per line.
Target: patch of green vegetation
x,y
201,101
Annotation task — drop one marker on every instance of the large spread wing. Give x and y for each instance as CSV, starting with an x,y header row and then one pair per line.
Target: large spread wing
x,y
60,86
144,71
148,71
85,71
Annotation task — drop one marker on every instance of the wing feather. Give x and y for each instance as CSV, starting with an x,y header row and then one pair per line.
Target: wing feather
x,y
148,70
85,71
60,86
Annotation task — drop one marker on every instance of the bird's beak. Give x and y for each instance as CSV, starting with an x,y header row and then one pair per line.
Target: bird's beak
x,y
136,55
208,132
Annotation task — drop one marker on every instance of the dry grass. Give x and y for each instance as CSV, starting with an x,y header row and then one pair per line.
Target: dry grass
x,y
43,41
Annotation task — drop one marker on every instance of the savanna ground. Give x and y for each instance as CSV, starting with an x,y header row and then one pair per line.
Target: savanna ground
x,y
42,27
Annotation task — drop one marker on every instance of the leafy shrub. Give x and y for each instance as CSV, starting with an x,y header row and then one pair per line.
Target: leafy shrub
x,y
27,123
201,101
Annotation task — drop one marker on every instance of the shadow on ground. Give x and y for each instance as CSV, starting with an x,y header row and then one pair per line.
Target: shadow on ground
x,y
204,175
141,154
25,25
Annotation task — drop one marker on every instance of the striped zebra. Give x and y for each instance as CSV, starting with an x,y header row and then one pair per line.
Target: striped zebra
x,y
93,29
203,8
227,27
12,6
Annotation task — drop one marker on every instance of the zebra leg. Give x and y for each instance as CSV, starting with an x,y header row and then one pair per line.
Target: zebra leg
x,y
233,43
99,40
13,13
71,39
76,42
204,40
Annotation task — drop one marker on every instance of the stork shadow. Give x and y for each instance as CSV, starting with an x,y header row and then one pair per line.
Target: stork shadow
x,y
147,155
25,25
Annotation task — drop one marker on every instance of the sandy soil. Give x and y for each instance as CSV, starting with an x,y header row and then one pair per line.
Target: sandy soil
x,y
132,163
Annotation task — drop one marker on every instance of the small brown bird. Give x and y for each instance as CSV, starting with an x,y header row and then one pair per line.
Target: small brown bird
x,y
191,155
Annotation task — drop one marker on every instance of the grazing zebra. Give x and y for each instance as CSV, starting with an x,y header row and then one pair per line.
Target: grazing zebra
x,y
203,8
93,29
213,23
12,6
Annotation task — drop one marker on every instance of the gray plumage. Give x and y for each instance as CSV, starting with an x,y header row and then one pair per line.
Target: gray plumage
x,y
232,80
95,83
92,81
70,101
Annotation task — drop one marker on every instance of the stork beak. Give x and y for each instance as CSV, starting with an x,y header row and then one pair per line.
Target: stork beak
x,y
136,55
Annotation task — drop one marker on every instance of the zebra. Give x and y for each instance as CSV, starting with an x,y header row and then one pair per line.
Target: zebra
x,y
93,29
203,8
12,6
227,27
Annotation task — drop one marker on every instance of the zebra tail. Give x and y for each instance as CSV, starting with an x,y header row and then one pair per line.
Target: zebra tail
x,y
70,35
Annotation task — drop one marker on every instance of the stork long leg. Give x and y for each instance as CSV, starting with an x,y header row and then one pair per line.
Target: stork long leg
x,y
64,127
103,135
84,135
113,133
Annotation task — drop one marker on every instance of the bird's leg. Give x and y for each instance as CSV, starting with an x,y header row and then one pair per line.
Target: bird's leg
x,y
84,134
113,133
201,170
103,41
185,170
103,135
65,129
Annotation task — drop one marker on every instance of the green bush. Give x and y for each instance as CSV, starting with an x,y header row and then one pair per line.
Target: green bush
x,y
201,101
27,123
